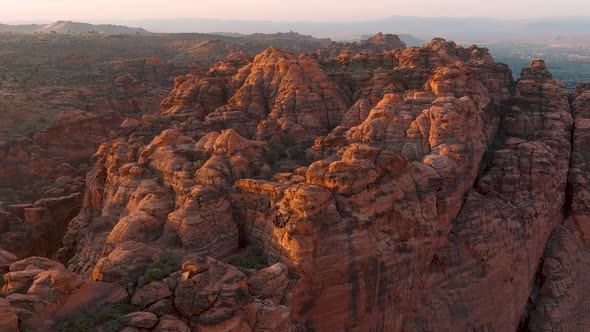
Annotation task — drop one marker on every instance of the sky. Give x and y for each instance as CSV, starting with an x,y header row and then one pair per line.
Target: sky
x,y
281,10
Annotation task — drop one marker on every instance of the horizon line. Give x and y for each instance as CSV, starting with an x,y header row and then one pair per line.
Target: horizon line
x,y
107,20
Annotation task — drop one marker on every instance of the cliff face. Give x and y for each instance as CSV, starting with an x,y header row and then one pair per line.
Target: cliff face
x,y
405,189
561,291
487,266
51,166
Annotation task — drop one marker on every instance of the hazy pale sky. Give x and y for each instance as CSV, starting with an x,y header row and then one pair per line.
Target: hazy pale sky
x,y
282,10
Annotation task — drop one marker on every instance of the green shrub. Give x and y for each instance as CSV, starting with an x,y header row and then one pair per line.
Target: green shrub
x,y
287,148
288,140
110,317
275,153
249,259
7,198
298,154
412,159
26,327
267,174
162,268
198,164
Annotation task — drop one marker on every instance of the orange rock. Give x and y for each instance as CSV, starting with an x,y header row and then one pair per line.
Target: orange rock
x,y
150,294
506,220
270,283
170,323
127,262
42,292
8,319
393,190
141,319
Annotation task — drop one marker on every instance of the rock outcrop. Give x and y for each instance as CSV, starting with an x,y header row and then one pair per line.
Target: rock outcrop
x,y
235,170
561,291
50,167
372,46
202,293
380,189
486,269
38,293
363,227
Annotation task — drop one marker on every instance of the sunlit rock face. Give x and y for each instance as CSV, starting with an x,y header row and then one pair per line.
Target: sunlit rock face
x,y
364,226
404,189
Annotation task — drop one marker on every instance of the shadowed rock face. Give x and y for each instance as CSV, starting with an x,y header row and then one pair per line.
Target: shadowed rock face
x,y
487,267
52,165
397,190
562,291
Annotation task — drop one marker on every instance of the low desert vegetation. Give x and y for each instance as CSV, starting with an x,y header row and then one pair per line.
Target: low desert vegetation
x,y
248,260
162,268
109,318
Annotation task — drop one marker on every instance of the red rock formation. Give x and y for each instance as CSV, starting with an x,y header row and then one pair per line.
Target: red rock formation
x,y
365,224
204,294
281,93
50,167
482,277
358,229
561,293
56,151
40,292
394,191
41,227
379,43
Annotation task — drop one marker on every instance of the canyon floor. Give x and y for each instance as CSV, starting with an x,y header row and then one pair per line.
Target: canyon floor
x,y
191,182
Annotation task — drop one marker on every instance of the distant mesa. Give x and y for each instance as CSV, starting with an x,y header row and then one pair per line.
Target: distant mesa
x,y
71,27
409,40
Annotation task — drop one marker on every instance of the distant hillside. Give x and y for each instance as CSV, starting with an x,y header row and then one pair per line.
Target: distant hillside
x,y
71,27
460,29
409,40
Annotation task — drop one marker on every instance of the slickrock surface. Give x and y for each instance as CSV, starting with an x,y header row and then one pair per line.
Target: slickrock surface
x,y
378,189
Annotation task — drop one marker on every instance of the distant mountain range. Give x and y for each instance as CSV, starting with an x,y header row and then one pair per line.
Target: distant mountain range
x,y
71,27
460,29
409,40
562,31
